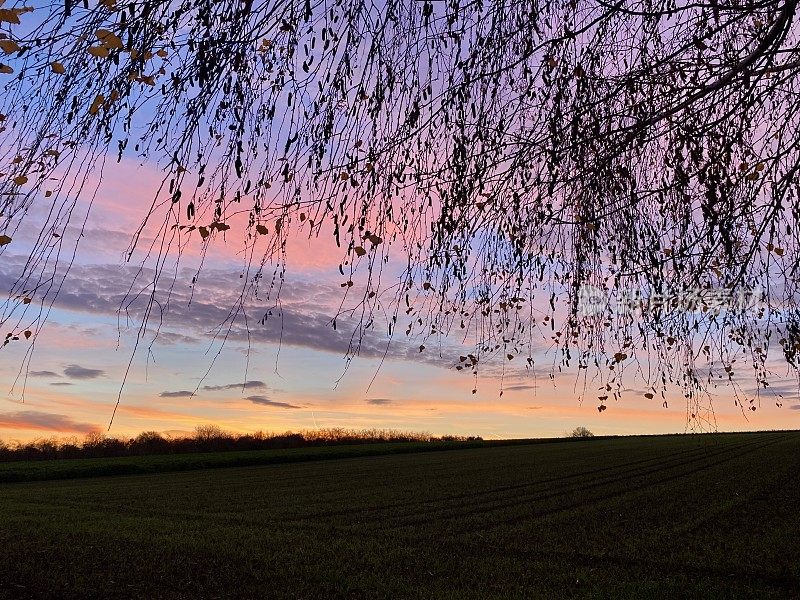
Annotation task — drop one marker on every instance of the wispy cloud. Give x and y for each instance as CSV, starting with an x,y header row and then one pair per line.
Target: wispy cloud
x,y
247,385
178,394
43,374
79,372
62,383
777,388
264,401
30,419
379,401
304,321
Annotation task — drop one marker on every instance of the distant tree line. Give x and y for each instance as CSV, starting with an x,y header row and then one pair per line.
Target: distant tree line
x,y
206,438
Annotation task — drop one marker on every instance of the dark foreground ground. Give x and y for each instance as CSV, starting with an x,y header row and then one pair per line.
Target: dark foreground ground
x,y
705,516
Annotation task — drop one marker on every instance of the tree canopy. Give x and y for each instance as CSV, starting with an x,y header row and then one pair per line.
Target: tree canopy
x,y
512,154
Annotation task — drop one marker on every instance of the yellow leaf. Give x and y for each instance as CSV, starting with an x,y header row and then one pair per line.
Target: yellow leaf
x,y
97,104
57,67
110,40
4,240
6,70
162,53
262,229
98,51
344,176
204,233
360,251
20,180
26,300
9,15
28,334
9,46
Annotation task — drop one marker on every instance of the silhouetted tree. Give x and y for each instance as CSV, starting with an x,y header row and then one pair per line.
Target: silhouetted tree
x,y
511,153
581,432
150,442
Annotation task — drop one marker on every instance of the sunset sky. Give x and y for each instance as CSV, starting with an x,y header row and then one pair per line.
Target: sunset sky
x,y
81,354
289,374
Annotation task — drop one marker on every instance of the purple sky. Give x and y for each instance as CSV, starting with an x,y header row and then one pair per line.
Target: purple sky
x,y
187,378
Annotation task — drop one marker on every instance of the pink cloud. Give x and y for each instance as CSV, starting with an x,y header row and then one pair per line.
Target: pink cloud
x,y
39,421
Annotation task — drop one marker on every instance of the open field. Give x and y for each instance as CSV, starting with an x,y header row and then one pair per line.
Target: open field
x,y
703,516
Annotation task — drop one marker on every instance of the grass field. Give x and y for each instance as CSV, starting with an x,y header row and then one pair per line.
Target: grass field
x,y
45,470
703,516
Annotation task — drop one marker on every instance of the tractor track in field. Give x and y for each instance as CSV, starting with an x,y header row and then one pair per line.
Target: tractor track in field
x,y
611,475
769,494
637,464
452,507
569,484
742,573
376,509
597,499
456,513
